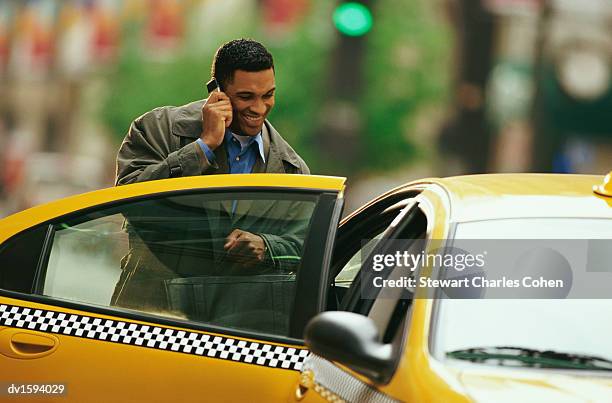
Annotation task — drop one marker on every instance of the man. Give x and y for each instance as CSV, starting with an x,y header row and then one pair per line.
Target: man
x,y
194,139
226,133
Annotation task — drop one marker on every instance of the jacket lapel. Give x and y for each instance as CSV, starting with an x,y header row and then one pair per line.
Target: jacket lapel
x,y
260,166
221,157
274,162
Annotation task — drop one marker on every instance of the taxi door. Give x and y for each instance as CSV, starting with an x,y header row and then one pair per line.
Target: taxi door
x,y
187,289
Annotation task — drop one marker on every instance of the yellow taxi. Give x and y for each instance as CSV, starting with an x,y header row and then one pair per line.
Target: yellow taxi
x,y
153,292
406,347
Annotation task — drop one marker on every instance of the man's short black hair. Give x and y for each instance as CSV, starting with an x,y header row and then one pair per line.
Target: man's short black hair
x,y
240,54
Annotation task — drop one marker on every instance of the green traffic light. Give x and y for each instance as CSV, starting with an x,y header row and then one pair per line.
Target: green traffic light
x,y
353,19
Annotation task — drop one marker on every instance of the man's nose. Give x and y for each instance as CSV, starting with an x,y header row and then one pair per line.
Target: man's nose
x,y
259,106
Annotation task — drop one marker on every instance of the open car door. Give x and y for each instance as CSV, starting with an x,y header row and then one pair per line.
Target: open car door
x,y
194,288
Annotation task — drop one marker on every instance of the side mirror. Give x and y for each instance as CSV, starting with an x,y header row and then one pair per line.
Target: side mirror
x,y
352,340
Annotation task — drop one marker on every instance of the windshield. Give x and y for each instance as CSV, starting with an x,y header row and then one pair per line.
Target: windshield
x,y
576,326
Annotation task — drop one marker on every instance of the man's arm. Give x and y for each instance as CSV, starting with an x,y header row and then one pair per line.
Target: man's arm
x,y
284,245
147,152
276,240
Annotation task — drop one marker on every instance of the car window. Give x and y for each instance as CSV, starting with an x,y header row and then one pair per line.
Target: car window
x,y
362,233
405,233
228,259
359,245
19,257
350,270
554,325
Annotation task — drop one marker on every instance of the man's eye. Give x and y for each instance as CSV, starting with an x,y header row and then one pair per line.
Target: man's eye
x,y
268,96
244,97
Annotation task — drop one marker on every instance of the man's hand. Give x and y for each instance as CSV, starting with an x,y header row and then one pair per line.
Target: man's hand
x,y
216,117
244,247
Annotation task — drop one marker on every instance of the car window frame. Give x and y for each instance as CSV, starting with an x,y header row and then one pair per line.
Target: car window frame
x,y
356,304
353,300
353,247
346,245
326,214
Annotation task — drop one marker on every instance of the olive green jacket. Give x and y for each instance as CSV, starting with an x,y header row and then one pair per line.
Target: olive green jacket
x,y
161,144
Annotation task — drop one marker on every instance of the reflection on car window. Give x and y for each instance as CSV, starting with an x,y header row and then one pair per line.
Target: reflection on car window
x,y
228,260
351,268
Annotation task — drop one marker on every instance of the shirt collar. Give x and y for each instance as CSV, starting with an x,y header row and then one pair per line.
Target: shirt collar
x,y
258,139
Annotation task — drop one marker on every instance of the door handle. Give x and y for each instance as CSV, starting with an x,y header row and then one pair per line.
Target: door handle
x,y
26,344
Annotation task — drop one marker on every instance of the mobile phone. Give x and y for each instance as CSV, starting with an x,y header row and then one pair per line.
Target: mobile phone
x,y
212,85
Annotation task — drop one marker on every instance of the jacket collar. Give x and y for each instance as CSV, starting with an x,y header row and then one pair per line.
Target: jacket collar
x,y
279,150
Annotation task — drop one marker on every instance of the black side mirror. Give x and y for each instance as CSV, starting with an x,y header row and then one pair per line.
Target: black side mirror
x,y
351,340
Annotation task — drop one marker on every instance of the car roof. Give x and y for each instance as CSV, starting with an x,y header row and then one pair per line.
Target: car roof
x,y
498,196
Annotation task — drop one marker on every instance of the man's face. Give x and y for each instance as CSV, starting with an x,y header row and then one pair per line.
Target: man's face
x,y
252,97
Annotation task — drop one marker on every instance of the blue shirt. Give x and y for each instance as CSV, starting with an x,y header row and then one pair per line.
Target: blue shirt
x,y
241,159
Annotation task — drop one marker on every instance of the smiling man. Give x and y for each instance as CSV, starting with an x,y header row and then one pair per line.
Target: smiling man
x,y
225,134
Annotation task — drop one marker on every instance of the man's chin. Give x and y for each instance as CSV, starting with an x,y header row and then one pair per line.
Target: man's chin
x,y
250,131
240,127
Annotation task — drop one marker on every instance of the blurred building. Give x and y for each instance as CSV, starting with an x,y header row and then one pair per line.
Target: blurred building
x,y
54,52
532,87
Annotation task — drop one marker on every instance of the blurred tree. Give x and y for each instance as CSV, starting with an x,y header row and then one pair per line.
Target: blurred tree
x,y
300,59
382,83
141,87
340,132
407,72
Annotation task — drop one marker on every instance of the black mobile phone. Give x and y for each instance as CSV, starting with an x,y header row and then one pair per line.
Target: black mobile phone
x,y
212,85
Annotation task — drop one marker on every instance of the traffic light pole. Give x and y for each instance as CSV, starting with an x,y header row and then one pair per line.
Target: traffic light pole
x,y
340,130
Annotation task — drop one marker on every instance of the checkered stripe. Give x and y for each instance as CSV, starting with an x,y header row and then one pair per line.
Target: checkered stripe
x,y
160,338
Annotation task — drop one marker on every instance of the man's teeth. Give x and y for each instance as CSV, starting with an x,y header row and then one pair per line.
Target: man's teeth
x,y
251,118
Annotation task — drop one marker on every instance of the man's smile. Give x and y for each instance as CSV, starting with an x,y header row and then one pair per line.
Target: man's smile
x,y
253,119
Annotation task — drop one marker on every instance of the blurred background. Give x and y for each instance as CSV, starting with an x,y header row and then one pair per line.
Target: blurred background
x,y
381,91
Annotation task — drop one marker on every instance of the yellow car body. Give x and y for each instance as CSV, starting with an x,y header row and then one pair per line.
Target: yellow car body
x,y
95,367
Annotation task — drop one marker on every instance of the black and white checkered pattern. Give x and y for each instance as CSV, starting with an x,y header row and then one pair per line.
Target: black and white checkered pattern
x,y
157,337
